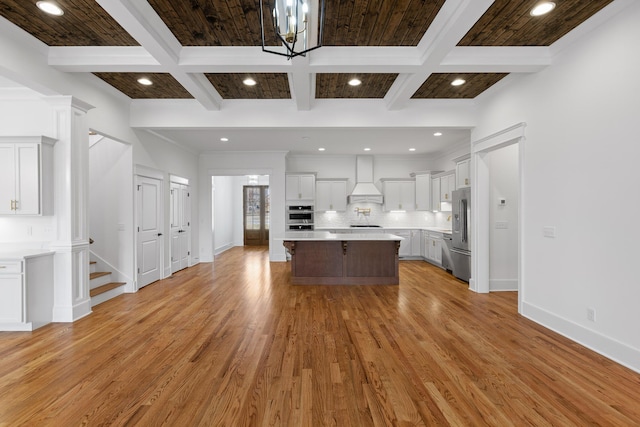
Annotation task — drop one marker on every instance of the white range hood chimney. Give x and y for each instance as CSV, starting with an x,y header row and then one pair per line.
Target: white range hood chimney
x,y
365,190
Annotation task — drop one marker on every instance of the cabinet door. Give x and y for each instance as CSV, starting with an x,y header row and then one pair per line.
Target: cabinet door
x,y
438,250
307,187
11,300
408,196
27,179
462,174
405,243
424,249
292,189
423,192
447,185
392,193
323,196
435,194
7,178
415,242
339,196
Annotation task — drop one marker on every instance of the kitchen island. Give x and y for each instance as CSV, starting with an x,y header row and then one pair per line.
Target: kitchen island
x,y
322,258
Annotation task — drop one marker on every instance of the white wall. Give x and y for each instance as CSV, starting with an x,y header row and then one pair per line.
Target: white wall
x,y
503,242
580,176
111,207
223,213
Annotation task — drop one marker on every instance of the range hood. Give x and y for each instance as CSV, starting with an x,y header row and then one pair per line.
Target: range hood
x,y
365,191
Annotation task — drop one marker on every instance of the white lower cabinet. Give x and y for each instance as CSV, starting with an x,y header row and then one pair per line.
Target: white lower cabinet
x,y
433,247
26,292
410,244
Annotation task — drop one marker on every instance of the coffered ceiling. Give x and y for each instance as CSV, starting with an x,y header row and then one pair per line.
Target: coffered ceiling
x,y
403,51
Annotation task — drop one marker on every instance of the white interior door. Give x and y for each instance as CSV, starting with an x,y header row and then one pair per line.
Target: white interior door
x,y
149,230
180,226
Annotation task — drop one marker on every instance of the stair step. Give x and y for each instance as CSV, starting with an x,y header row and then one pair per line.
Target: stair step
x,y
105,288
98,274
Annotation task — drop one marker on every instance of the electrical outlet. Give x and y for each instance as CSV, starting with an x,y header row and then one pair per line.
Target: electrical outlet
x,y
591,314
549,231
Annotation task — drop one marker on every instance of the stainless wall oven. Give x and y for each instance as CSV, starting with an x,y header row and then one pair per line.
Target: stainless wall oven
x,y
300,217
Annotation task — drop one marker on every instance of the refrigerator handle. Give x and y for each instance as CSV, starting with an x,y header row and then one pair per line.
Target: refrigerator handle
x,y
463,211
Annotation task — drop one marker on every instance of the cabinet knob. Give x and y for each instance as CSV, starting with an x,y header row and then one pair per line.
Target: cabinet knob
x,y
466,181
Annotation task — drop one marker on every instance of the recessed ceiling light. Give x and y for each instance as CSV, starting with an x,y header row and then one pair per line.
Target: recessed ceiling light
x,y
412,149
321,149
50,7
249,81
437,134
542,8
367,149
145,81
354,82
224,139
458,82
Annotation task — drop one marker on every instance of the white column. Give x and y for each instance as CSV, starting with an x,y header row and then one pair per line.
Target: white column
x,y
71,177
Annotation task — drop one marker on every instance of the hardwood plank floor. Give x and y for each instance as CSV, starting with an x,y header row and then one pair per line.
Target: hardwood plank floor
x,y
234,343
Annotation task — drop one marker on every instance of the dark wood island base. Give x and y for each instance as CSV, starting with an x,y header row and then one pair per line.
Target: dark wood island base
x,y
344,262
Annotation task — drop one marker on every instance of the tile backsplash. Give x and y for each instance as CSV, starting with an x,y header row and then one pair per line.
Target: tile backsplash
x,y
378,217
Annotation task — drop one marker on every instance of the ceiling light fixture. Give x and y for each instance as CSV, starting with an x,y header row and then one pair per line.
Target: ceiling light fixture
x,y
354,82
145,81
249,81
437,134
367,149
292,24
458,82
224,139
412,149
321,149
50,7
542,8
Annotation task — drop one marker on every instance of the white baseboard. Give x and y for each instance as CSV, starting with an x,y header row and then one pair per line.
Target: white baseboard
x,y
610,348
498,285
223,248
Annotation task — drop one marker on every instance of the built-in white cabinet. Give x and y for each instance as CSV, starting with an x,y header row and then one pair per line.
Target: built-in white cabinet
x,y
300,186
435,194
447,185
433,247
399,195
26,175
463,173
26,291
410,244
331,195
416,243
424,200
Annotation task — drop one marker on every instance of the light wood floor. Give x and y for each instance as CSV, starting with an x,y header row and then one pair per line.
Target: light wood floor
x,y
233,343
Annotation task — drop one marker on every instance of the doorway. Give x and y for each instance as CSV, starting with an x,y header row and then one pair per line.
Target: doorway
x,y
149,229
255,213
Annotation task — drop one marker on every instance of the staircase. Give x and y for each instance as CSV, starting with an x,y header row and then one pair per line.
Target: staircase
x,y
101,287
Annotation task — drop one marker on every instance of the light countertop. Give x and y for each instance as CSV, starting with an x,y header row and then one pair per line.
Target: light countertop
x,y
436,229
20,254
322,236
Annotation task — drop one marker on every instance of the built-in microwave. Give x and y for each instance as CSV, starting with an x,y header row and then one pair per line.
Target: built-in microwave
x,y
300,217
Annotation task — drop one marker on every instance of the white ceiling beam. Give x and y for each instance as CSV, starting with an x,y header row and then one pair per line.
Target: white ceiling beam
x,y
453,21
82,59
498,59
300,83
140,20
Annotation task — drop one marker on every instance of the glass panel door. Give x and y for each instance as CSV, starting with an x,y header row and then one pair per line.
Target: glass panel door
x,y
256,214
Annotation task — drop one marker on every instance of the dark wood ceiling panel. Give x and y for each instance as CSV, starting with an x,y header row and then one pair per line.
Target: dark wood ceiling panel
x,y
164,85
378,22
214,22
508,23
337,85
439,85
84,23
268,85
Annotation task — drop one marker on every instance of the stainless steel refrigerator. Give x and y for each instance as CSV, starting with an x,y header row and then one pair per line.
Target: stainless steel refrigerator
x,y
461,230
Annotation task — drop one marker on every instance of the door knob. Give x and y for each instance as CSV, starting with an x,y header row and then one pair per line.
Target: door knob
x,y
159,234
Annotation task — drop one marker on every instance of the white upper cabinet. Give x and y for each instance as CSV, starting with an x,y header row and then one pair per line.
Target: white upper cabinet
x,y
447,185
423,192
399,195
435,194
463,173
331,195
26,175
301,187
